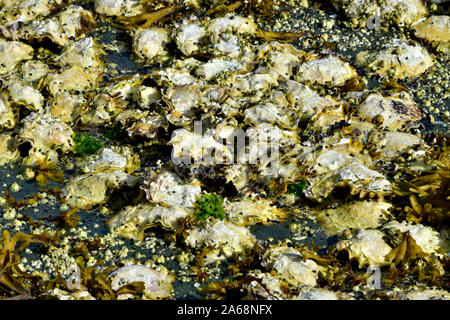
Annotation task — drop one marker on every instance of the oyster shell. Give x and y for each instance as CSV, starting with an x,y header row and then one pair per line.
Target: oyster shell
x,y
158,284
74,21
167,188
150,44
118,7
45,29
74,79
188,37
248,212
353,216
65,106
435,30
90,189
425,237
26,96
398,60
357,176
396,112
45,134
33,71
391,144
292,267
11,53
132,221
367,246
227,239
330,71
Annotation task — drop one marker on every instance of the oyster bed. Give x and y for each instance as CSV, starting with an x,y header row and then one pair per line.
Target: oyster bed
x,y
352,201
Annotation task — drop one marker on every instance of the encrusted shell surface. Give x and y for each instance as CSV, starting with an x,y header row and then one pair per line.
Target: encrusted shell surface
x,y
228,238
150,44
167,188
435,29
292,267
425,237
367,246
398,60
132,220
87,190
353,216
396,112
158,284
11,53
8,148
330,71
248,212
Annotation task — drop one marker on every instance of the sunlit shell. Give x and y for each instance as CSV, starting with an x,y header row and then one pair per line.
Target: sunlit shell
x,y
231,23
427,294
228,238
45,133
304,100
330,71
87,190
167,188
248,212
148,96
33,71
11,53
26,96
45,29
118,7
148,127
353,216
321,294
150,44
398,60
106,159
357,176
392,144
83,53
158,284
425,237
188,38
191,147
367,246
66,295
395,112
74,79
292,267
74,21
133,220
184,100
400,12
271,113
65,106
435,29
215,67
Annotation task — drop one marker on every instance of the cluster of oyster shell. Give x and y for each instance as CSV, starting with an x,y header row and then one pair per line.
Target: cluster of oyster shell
x,y
218,71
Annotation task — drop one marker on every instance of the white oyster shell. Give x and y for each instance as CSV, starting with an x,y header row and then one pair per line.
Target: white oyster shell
x,y
169,189
45,133
89,189
149,44
292,267
158,284
356,215
7,118
225,236
11,53
327,71
367,246
247,212
398,60
188,38
27,96
132,220
397,112
425,237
